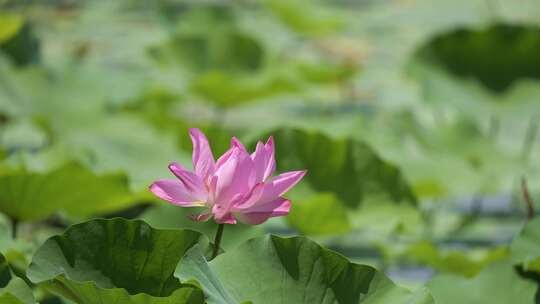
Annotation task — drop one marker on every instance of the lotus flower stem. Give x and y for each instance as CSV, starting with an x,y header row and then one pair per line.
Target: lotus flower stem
x,y
217,240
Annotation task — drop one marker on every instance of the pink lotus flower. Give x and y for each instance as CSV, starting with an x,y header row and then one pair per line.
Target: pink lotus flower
x,y
238,186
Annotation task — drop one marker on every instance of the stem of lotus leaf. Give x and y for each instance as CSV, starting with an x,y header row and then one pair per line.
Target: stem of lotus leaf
x,y
217,240
530,138
528,200
14,226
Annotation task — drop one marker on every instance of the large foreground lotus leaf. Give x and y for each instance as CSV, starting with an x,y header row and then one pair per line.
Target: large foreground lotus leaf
x,y
525,248
497,284
116,261
272,269
346,167
72,188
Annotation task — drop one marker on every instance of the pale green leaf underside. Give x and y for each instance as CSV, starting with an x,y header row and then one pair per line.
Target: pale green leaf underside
x,y
295,270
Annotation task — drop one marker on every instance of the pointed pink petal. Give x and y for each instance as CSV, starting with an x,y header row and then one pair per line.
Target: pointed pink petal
x,y
236,143
260,213
191,181
270,158
174,192
263,157
224,158
259,160
203,159
271,190
284,182
235,177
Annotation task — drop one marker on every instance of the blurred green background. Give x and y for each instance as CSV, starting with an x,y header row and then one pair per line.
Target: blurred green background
x,y
416,119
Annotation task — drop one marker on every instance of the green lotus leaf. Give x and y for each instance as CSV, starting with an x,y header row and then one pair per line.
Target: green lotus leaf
x,y
17,39
323,72
232,51
498,283
116,261
73,188
321,214
469,53
87,130
272,269
208,38
350,169
466,263
306,17
13,290
16,292
10,24
228,90
525,249
5,274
